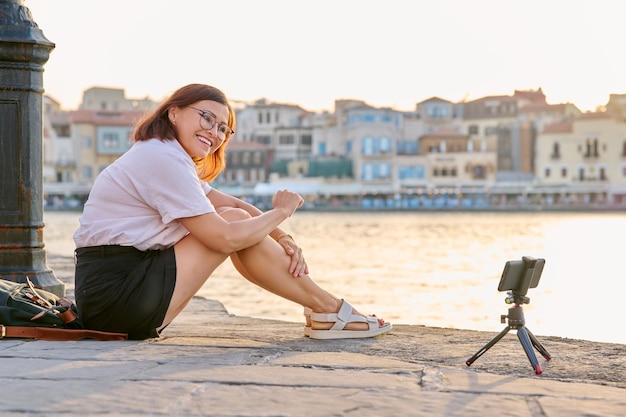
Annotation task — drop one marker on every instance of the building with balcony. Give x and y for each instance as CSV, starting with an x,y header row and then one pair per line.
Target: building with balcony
x,y
100,137
583,161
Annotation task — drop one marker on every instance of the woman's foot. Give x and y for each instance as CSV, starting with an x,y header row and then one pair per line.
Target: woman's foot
x,y
346,324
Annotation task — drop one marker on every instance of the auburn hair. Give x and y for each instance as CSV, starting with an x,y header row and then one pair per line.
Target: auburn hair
x,y
157,125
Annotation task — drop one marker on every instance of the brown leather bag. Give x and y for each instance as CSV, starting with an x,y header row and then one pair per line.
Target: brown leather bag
x,y
28,312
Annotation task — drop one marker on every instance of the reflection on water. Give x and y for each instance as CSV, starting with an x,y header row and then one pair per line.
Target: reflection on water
x,y
441,269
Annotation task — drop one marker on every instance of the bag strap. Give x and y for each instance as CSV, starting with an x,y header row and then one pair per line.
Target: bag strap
x,y
48,333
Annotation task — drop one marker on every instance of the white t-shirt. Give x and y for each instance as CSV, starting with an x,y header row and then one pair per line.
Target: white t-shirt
x,y
136,200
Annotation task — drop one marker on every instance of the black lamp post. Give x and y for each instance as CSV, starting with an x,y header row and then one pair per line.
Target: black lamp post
x,y
23,52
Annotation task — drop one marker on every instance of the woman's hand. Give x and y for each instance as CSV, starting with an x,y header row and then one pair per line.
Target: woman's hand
x,y
287,201
298,266
290,202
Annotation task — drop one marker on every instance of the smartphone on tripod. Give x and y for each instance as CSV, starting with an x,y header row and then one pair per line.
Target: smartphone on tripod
x,y
521,274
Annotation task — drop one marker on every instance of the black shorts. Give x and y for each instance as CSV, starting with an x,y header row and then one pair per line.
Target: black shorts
x,y
123,289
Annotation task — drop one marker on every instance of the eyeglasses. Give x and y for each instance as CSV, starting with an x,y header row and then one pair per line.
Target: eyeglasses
x,y
208,121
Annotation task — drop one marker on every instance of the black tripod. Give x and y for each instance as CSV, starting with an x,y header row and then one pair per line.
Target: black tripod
x,y
517,322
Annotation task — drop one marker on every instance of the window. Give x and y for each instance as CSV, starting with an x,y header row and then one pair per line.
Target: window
x,y
437,112
367,146
546,172
591,147
490,131
375,145
472,130
479,172
556,150
407,147
411,172
110,140
87,172
306,139
286,140
384,145
563,172
61,130
375,171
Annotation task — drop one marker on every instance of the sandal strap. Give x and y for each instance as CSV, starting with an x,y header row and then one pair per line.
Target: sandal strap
x,y
344,314
343,317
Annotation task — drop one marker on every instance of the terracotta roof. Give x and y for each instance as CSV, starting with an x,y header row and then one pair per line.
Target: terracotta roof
x,y
107,117
535,95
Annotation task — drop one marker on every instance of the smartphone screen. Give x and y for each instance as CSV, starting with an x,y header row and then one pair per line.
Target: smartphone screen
x,y
515,274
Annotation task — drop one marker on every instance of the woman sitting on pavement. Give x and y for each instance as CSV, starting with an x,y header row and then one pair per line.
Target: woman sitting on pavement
x,y
153,230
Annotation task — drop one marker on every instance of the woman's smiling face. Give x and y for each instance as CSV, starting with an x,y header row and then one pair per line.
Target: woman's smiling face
x,y
201,127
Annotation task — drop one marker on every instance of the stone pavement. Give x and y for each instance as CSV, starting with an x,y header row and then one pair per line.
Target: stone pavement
x,y
211,363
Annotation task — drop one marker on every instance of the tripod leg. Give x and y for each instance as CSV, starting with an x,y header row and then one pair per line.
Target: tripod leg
x,y
522,335
538,345
487,346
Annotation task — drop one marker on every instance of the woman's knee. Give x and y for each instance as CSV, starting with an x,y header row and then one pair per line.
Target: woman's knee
x,y
233,213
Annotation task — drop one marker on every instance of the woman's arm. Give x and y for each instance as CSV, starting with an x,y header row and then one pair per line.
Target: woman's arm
x,y
227,237
222,200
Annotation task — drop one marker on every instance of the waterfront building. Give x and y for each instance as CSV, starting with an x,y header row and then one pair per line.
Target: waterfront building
x,y
282,127
247,164
582,161
110,98
59,158
100,137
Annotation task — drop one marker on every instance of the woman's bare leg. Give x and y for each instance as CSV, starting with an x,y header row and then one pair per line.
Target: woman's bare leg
x,y
194,264
265,264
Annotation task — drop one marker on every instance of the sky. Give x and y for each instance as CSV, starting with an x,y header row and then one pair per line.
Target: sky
x,y
394,53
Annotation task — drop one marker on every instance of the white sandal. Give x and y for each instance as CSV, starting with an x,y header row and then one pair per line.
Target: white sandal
x,y
341,319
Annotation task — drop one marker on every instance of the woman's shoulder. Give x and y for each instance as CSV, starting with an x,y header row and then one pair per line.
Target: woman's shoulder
x,y
159,148
158,157
156,144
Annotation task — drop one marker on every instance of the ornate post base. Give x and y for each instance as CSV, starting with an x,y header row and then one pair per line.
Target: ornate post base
x,y
23,51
